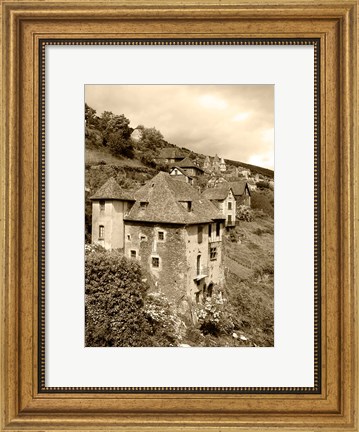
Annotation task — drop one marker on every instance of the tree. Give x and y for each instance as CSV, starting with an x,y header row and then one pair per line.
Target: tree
x,y
114,301
91,118
119,146
115,124
151,138
117,308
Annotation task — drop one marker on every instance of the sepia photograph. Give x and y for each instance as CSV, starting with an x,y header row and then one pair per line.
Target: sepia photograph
x,y
179,216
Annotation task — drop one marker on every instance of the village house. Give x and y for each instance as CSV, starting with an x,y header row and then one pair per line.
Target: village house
x,y
169,155
180,174
190,167
222,166
172,231
241,192
207,164
222,196
242,172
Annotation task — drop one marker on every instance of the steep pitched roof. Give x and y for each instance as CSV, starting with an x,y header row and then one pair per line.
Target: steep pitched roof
x,y
220,191
170,153
163,196
188,163
217,193
112,190
238,187
180,170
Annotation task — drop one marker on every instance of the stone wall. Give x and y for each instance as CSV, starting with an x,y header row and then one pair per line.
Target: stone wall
x,y
145,239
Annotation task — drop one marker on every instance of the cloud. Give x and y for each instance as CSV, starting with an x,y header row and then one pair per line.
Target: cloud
x,y
233,121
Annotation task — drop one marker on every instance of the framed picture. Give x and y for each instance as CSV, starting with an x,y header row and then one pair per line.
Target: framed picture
x,y
179,222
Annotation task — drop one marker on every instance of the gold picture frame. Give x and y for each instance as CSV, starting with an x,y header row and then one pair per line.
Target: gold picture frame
x,y
25,25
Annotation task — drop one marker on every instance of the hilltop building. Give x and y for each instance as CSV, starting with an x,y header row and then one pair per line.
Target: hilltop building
x,y
222,166
214,165
207,163
180,174
172,230
190,167
223,198
169,155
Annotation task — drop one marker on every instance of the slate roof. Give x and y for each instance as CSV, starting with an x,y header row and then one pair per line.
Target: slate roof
x,y
170,153
220,192
163,196
112,190
181,171
188,163
217,193
238,187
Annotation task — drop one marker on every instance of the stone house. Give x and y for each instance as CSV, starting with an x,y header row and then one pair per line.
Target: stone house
x,y
176,235
222,166
222,196
190,167
241,192
169,155
180,174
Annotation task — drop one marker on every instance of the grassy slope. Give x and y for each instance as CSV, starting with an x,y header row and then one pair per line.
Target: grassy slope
x,y
95,156
249,268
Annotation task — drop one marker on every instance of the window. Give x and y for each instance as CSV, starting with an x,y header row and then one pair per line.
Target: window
x,y
187,205
143,237
218,228
198,265
229,205
155,262
101,232
213,253
161,235
229,219
128,237
210,230
102,205
200,234
143,205
133,254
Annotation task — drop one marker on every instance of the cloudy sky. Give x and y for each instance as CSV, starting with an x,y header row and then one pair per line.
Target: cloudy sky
x,y
233,121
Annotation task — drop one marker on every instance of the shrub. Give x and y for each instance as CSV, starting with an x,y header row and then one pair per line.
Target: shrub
x,y
213,318
262,184
244,213
114,301
165,324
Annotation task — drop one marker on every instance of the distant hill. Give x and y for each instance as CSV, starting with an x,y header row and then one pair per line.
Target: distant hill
x,y
109,139
254,168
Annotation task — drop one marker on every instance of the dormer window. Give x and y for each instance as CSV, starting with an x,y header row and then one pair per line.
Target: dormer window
x,y
187,205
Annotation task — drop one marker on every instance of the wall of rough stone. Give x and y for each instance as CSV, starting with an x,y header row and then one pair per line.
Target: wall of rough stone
x,y
170,277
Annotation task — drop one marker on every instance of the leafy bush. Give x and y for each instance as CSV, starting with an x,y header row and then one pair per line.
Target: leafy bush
x,y
262,184
213,316
244,213
118,309
165,324
114,301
